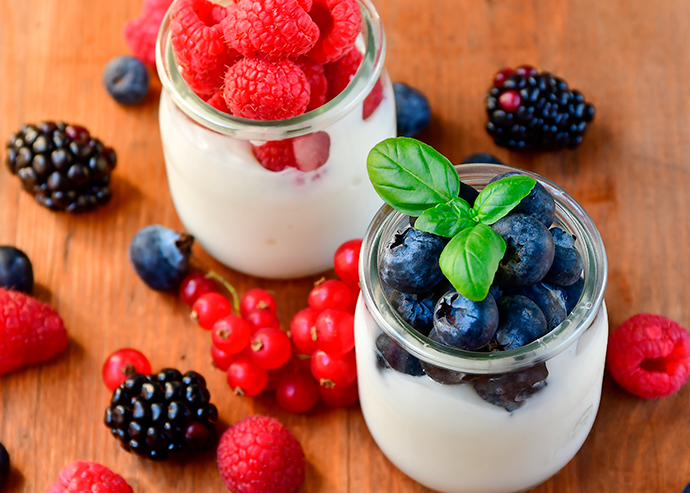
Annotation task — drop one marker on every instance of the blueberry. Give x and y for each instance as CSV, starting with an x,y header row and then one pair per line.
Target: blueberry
x,y
572,293
417,309
160,256
550,301
686,489
567,261
442,375
496,291
4,465
539,203
15,270
468,193
511,390
126,79
465,324
412,110
391,354
529,250
409,263
481,157
520,322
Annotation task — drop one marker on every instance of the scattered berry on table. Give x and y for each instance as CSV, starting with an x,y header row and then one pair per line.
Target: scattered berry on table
x,y
198,44
141,32
465,324
297,392
330,294
334,371
160,256
16,271
346,262
273,29
535,111
245,377
567,261
248,95
339,23
5,463
30,331
256,298
164,414
258,318
259,455
303,330
209,308
62,165
391,354
231,334
412,109
482,157
121,365
221,359
339,396
520,322
649,355
195,285
87,477
341,72
270,348
275,376
335,331
686,489
126,79
511,390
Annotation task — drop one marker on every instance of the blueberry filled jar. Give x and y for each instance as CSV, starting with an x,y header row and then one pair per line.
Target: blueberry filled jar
x,y
482,421
276,223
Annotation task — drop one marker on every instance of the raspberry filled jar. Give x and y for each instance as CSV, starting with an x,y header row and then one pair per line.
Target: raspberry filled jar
x,y
481,422
285,223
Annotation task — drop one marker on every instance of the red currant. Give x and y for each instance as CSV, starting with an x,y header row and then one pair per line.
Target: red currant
x,y
258,318
297,392
256,298
303,330
194,285
334,371
526,70
330,294
246,377
355,296
209,308
271,348
220,358
340,396
231,334
123,363
501,76
346,262
335,332
275,376
509,101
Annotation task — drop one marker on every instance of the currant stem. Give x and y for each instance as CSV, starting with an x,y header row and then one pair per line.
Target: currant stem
x,y
228,286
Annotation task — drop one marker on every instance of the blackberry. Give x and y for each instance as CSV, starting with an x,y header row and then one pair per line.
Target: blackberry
x,y
530,110
159,415
61,165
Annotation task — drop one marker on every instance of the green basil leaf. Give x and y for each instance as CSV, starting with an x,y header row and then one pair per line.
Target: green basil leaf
x,y
502,196
446,219
470,260
411,176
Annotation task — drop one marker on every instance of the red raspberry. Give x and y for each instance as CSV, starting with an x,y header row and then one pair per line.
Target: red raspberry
x,y
218,102
30,331
197,40
318,84
311,150
259,455
276,155
340,73
261,90
274,29
649,355
373,100
140,33
89,477
339,22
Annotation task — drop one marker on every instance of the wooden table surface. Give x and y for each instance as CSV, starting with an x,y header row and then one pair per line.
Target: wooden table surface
x,y
631,58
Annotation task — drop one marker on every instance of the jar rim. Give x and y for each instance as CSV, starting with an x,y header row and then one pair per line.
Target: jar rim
x,y
569,213
368,73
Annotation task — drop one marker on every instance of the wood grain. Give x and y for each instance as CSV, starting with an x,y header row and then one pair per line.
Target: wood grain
x,y
630,57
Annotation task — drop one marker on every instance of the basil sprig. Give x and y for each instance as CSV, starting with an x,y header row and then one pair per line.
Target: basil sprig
x,y
415,179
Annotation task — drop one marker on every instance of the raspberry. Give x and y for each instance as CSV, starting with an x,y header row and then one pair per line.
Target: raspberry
x,y
339,22
262,90
306,153
30,331
373,100
275,155
218,102
318,84
340,73
649,355
259,455
275,29
89,477
197,41
140,33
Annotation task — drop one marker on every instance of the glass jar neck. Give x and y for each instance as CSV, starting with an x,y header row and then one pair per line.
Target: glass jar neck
x,y
372,43
569,214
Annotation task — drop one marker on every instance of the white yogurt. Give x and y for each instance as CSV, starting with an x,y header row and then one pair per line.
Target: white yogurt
x,y
450,440
273,224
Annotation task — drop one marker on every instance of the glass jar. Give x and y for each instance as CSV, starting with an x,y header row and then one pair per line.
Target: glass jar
x,y
447,437
281,224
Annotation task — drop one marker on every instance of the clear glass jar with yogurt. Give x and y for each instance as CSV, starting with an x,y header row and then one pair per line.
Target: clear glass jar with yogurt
x,y
447,437
281,224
